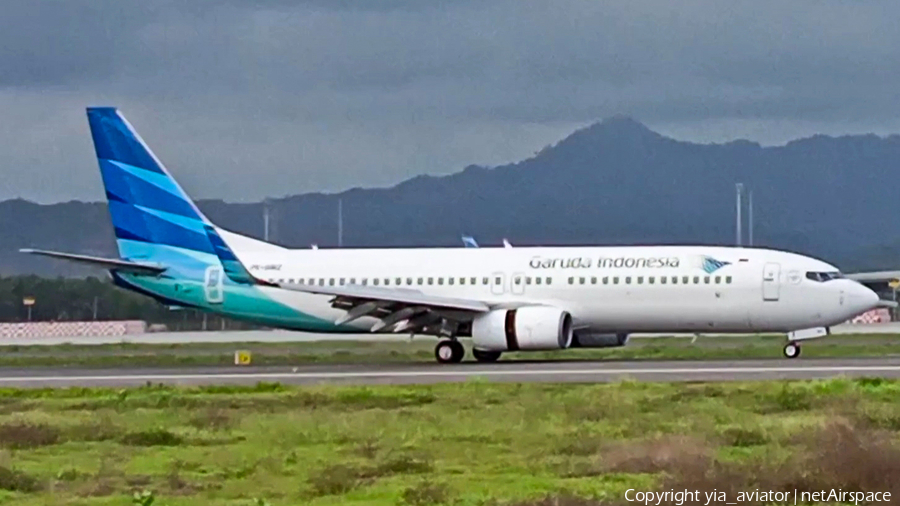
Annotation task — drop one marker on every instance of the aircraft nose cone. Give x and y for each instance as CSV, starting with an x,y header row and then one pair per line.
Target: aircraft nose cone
x,y
863,298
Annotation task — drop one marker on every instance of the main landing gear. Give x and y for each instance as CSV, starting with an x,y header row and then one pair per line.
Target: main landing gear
x,y
792,350
449,351
486,356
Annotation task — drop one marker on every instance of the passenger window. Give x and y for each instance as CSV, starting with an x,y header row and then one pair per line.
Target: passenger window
x,y
537,281
674,280
616,280
375,281
651,279
301,281
484,281
498,281
593,280
517,280
571,281
409,281
398,281
312,281
450,281
430,281
342,281
527,280
420,281
331,281
640,280
462,281
440,281
663,279
718,279
685,280
706,279
696,280
365,281
321,281
580,281
728,279
352,281
605,280
627,280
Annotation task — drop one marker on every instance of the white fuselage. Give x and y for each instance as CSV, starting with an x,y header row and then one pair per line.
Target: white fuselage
x,y
606,289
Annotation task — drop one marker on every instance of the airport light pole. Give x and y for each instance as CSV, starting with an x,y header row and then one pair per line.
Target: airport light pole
x,y
266,219
750,218
340,223
739,187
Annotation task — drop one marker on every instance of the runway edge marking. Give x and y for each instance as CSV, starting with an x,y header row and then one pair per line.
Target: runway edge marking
x,y
449,373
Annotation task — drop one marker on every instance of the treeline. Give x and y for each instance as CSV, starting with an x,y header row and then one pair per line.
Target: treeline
x,y
74,299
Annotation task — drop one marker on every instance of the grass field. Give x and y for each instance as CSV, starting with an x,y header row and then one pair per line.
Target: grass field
x,y
463,444
422,350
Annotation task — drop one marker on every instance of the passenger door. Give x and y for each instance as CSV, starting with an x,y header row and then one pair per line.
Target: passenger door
x,y
771,282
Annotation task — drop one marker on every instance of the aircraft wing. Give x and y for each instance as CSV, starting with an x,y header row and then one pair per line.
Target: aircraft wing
x,y
105,263
874,277
397,308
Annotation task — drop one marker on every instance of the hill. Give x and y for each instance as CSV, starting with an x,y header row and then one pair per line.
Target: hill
x,y
614,182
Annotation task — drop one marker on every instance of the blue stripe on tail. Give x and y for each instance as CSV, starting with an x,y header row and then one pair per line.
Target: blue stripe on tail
x,y
233,267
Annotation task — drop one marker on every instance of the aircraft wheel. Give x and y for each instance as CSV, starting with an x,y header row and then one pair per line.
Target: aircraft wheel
x,y
486,356
791,350
449,351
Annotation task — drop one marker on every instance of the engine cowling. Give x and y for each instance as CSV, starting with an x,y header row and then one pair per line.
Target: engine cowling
x,y
525,328
598,340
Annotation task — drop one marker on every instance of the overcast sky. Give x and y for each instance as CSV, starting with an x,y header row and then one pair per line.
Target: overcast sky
x,y
246,99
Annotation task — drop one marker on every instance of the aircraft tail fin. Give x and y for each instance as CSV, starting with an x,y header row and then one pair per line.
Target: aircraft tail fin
x,y
149,210
153,217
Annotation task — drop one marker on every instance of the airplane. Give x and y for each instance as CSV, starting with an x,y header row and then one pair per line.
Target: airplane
x,y
505,299
469,242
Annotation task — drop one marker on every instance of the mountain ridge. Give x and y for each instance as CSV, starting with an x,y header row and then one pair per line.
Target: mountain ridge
x,y
612,182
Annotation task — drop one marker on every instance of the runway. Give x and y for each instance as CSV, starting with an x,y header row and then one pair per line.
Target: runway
x,y
547,372
279,336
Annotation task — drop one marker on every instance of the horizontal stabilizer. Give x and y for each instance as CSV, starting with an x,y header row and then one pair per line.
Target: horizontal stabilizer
x,y
105,263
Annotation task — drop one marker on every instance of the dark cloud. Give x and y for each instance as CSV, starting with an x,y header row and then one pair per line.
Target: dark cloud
x,y
244,99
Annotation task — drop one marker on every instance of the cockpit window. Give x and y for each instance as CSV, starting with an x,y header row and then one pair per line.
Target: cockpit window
x,y
823,276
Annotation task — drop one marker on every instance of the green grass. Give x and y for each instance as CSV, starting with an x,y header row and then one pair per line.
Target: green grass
x,y
422,350
464,444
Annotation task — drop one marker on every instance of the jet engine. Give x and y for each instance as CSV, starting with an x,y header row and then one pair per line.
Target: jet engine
x,y
583,339
524,328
